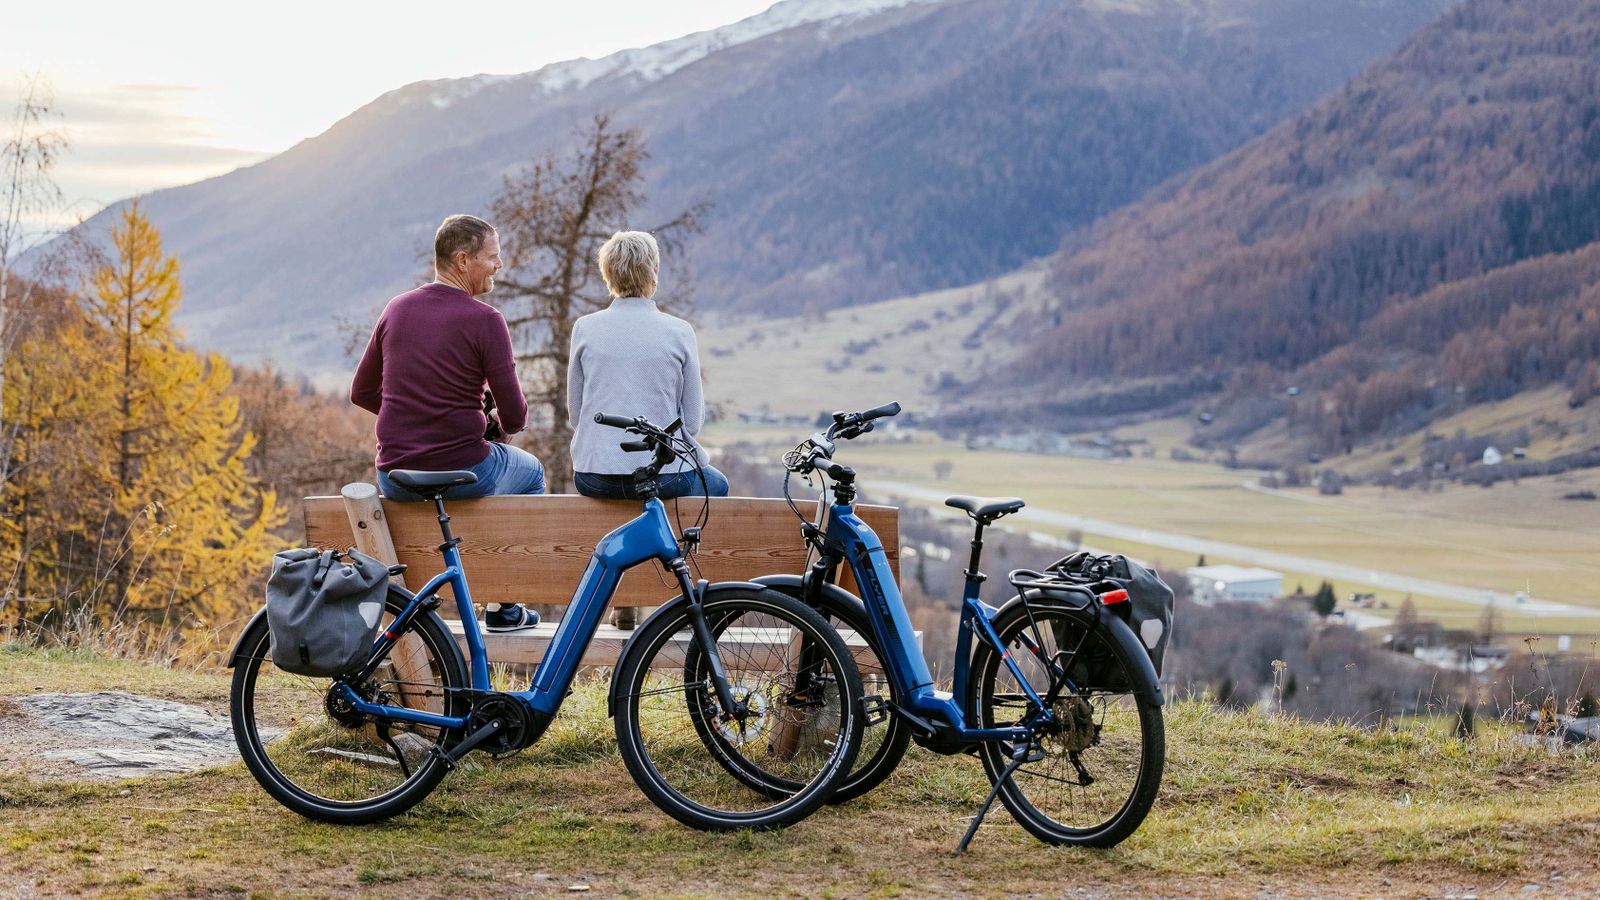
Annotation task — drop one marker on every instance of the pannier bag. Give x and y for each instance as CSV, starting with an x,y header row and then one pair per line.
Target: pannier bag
x,y
1148,610
323,609
1149,606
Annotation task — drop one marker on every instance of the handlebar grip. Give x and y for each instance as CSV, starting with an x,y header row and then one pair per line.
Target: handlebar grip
x,y
635,446
613,421
888,409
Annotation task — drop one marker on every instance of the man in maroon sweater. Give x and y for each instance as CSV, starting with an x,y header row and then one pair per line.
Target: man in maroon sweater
x,y
423,373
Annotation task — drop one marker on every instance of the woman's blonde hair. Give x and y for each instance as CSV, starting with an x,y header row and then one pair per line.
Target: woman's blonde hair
x,y
629,262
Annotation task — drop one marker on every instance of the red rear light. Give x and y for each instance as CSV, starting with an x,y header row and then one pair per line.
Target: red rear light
x,y
1117,596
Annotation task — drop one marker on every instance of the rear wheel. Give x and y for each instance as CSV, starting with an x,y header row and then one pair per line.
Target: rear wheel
x,y
1095,773
325,761
795,713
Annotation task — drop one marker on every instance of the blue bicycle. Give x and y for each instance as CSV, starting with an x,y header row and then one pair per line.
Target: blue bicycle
x,y
722,676
1052,690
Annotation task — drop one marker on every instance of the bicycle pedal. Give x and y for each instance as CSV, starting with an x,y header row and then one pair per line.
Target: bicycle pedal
x,y
874,710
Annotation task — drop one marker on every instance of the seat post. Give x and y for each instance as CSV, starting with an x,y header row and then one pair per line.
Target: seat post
x,y
444,520
972,573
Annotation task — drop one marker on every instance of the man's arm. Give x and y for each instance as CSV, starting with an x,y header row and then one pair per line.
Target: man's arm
x,y
500,370
366,391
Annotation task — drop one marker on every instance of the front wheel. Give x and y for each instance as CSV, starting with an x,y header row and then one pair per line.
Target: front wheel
x,y
795,711
1093,774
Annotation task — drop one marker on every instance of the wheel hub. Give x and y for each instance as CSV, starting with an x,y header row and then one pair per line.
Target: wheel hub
x,y
741,731
342,711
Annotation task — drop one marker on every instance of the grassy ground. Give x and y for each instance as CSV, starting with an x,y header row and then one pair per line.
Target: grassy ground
x,y
1250,803
1507,538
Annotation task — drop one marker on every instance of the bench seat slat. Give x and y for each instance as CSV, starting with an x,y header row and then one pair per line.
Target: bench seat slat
x,y
533,549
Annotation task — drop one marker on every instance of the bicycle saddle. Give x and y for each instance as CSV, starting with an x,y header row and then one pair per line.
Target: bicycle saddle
x,y
421,481
980,508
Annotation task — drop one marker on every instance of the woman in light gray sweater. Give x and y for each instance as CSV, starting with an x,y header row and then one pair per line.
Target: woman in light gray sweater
x,y
630,359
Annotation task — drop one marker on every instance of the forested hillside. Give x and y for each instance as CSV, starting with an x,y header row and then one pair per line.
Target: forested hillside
x,y
1423,238
850,151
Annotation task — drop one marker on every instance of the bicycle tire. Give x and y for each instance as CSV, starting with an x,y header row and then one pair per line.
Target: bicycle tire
x,y
338,769
663,702
882,745
1113,687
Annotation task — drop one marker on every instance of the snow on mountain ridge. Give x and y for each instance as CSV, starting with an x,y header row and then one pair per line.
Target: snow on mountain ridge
x,y
657,61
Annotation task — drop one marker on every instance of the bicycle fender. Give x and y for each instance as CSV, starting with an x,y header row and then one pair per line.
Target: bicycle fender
x,y
794,586
238,643
711,591
1119,632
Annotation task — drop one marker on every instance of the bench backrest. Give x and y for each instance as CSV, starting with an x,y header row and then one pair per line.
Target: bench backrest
x,y
534,549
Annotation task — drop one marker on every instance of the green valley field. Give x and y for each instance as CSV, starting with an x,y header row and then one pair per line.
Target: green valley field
x,y
1506,539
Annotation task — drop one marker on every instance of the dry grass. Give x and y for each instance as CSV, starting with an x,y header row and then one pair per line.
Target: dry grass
x,y
1250,802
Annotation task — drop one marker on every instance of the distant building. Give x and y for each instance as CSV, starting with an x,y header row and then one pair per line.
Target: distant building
x,y
1214,584
1491,456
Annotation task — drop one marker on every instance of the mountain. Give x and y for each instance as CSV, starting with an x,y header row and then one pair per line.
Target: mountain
x,y
852,151
1421,239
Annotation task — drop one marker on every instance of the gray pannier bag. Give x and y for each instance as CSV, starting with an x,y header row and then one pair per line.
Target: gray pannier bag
x,y
323,610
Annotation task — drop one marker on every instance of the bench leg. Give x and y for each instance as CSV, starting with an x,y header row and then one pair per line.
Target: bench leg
x,y
785,728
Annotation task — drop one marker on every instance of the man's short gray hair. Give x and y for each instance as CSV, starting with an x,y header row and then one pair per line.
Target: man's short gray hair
x,y
630,262
458,233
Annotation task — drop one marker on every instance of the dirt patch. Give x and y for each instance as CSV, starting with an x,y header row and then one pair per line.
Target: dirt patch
x,y
1322,781
1548,770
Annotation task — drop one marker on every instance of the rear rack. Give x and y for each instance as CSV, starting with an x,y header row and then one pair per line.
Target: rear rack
x,y
1056,584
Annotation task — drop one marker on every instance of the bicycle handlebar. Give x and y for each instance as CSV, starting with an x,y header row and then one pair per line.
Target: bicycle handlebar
x,y
616,421
891,408
846,426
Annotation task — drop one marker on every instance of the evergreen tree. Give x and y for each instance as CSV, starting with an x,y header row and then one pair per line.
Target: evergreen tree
x,y
1325,600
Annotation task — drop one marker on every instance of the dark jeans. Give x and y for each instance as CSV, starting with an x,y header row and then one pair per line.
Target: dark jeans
x,y
506,470
678,484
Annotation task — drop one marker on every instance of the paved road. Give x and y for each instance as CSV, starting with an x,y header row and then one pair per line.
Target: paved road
x,y
1319,568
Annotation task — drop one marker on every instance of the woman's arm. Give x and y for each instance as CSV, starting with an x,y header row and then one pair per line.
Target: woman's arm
x,y
691,397
575,376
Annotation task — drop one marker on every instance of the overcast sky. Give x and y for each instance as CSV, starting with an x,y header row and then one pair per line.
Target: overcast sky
x,y
161,93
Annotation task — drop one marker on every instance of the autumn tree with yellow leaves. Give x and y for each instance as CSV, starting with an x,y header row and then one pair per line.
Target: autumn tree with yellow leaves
x,y
132,495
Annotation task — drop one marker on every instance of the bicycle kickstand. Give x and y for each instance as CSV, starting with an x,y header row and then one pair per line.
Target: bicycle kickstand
x,y
1024,753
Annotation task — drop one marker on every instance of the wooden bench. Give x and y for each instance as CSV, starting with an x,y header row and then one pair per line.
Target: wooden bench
x,y
534,549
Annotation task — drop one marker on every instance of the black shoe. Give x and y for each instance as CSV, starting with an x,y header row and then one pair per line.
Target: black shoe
x,y
510,617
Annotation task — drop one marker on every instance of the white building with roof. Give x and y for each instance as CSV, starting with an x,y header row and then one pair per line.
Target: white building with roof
x,y
1214,584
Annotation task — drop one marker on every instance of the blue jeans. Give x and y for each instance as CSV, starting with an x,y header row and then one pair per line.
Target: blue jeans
x,y
506,470
677,484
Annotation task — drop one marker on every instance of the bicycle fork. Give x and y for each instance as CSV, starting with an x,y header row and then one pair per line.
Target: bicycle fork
x,y
695,593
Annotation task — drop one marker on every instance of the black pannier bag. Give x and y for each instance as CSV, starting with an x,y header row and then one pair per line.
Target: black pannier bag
x,y
323,610
1148,609
1149,606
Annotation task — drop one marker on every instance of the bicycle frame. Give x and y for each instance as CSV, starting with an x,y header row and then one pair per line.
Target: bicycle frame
x,y
649,536
851,539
